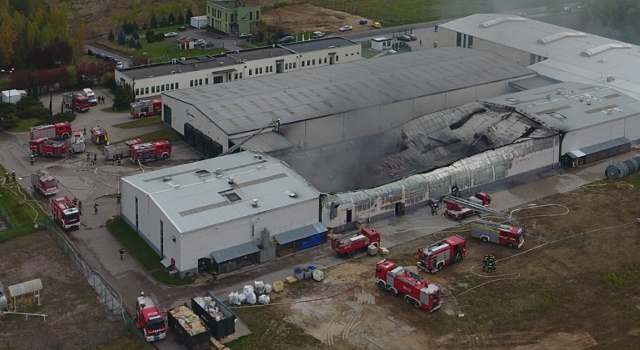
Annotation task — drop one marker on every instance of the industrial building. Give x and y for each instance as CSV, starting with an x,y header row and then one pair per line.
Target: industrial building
x,y
227,212
554,52
331,104
231,16
187,72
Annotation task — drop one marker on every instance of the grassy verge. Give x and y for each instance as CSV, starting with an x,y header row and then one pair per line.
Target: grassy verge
x,y
139,123
20,215
158,51
128,343
111,110
25,124
141,251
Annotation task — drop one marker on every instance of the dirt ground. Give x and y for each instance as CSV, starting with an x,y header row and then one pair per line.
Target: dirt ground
x,y
574,285
75,318
309,18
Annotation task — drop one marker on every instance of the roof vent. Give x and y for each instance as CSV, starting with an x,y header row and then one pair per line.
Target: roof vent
x,y
609,111
182,59
293,195
173,72
559,92
202,173
230,180
609,78
254,203
221,63
257,156
548,97
589,102
581,98
166,178
219,171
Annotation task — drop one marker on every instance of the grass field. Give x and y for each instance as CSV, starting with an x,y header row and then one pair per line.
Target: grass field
x,y
25,124
139,123
157,51
21,211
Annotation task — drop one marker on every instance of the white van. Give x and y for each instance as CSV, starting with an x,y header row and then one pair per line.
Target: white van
x,y
91,96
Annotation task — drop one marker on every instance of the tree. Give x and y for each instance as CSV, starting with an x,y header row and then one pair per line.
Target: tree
x,y
122,39
135,35
171,19
111,36
79,38
8,37
164,22
144,26
138,45
180,18
187,18
122,97
150,36
135,26
9,120
132,43
154,21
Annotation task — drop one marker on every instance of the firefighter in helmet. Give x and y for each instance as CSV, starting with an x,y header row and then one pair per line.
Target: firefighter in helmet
x,y
13,175
485,262
434,209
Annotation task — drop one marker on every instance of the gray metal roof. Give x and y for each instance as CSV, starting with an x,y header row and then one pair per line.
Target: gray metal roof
x,y
319,44
300,233
565,112
246,105
532,83
564,49
229,61
264,142
192,196
234,252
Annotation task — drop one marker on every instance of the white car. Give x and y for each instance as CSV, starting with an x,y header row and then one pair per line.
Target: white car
x,y
346,28
170,34
119,65
318,34
200,42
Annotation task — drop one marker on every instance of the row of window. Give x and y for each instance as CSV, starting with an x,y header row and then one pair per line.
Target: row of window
x,y
157,89
267,69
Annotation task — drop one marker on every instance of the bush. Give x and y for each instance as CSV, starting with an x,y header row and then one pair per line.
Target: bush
x,y
9,120
67,116
30,107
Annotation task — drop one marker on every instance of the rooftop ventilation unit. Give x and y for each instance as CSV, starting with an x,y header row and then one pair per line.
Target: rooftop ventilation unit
x,y
500,20
558,36
589,102
257,156
254,203
182,59
219,171
174,61
202,173
602,48
221,63
166,178
230,180
559,92
293,195
610,78
581,98
173,72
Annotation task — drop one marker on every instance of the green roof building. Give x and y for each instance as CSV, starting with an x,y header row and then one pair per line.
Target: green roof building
x,y
231,16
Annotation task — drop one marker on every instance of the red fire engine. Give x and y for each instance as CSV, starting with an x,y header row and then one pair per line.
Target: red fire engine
x,y
146,108
458,208
443,252
57,131
65,212
418,291
145,152
487,231
44,183
149,318
120,150
99,135
49,148
349,244
73,100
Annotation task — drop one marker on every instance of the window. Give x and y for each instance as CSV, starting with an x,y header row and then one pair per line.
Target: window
x,y
260,70
337,58
251,16
161,237
177,86
153,89
250,72
190,82
157,88
136,212
470,42
167,87
162,87
314,62
171,86
137,91
458,39
240,75
200,82
308,62
303,63
236,76
325,60
206,80
146,90
257,15
294,65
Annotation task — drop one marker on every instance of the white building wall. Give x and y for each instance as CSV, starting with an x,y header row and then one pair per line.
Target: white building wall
x,y
461,96
592,135
447,37
179,117
322,58
632,127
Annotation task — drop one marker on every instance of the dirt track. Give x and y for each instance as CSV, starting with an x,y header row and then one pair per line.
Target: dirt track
x,y
295,19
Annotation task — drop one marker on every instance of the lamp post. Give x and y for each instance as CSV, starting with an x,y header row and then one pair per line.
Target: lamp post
x,y
8,71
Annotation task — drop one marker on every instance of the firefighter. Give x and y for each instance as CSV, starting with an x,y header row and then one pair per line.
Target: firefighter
x,y
13,175
80,206
84,131
214,277
75,201
95,208
32,160
88,157
118,197
485,262
434,209
6,177
121,253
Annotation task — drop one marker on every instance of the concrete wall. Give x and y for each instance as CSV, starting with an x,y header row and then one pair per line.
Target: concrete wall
x,y
596,134
179,117
416,190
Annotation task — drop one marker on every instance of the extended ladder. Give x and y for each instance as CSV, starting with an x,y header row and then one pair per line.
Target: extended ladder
x,y
475,206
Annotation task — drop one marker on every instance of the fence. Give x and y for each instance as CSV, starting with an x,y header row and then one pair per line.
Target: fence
x,y
107,294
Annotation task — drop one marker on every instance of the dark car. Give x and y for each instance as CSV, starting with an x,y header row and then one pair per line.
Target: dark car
x,y
99,55
363,21
181,29
404,38
286,39
107,58
91,52
413,37
245,35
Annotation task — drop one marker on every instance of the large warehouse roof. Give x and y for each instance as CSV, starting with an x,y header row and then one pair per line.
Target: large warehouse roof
x,y
246,105
570,106
198,195
572,55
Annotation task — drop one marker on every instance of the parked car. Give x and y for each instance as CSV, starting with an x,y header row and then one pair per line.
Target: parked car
x,y
376,25
91,52
413,37
107,58
181,29
346,28
318,34
404,38
363,21
119,65
245,35
200,42
170,34
286,39
99,55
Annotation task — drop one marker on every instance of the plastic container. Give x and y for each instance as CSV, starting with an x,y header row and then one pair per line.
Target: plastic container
x,y
298,273
308,273
278,286
372,249
312,268
318,275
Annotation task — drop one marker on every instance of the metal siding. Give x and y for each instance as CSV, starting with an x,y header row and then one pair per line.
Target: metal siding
x,y
300,233
295,132
616,129
429,104
586,137
287,218
361,122
632,128
459,97
323,131
237,251
401,112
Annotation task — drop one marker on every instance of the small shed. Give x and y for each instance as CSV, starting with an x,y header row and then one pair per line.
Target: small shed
x,y
186,44
199,22
381,43
13,96
32,288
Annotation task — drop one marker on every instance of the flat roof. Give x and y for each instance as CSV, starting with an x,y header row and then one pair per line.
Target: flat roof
x,y
222,62
565,111
193,196
572,55
382,38
319,44
250,104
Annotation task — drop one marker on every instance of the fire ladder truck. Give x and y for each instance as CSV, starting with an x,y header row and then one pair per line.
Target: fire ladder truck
x,y
461,204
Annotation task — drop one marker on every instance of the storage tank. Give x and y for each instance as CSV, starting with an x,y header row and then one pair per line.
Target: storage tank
x,y
3,299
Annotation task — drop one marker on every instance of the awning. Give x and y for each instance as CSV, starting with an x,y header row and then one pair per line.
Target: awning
x,y
300,233
599,147
234,252
265,142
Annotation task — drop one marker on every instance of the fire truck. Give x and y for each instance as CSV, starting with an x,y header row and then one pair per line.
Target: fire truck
x,y
146,108
99,135
348,245
447,251
458,208
77,144
488,231
149,318
49,148
417,290
145,152
78,102
57,131
120,150
44,183
65,212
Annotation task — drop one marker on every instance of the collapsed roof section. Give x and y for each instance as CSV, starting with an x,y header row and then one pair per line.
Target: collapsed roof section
x,y
423,144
